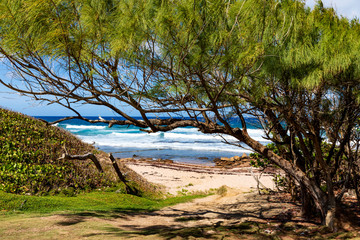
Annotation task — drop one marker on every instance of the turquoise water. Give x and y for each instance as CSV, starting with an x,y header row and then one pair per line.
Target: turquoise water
x,y
181,145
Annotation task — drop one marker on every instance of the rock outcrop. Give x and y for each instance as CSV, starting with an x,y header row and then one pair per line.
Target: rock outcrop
x,y
236,161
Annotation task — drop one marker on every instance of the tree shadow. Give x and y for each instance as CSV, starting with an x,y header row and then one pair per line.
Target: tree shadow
x,y
72,221
260,221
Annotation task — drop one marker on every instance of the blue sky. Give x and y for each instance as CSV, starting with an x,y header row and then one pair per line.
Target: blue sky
x,y
346,8
13,101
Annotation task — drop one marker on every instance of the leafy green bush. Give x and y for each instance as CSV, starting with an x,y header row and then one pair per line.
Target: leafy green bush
x,y
261,162
29,158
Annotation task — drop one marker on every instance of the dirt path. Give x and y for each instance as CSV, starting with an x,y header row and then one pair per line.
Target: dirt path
x,y
198,219
232,207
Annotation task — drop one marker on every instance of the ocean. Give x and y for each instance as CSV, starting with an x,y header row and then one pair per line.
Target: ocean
x,y
186,145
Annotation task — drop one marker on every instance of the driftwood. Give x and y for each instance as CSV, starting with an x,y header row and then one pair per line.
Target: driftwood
x,y
121,176
117,169
86,156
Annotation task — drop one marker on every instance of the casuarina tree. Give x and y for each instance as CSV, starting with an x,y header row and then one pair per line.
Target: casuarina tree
x,y
198,64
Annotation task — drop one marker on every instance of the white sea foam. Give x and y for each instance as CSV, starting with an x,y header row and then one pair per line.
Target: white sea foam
x,y
179,135
149,144
173,135
187,130
181,139
164,141
68,126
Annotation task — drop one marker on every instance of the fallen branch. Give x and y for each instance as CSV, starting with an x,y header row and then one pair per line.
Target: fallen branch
x,y
129,190
86,156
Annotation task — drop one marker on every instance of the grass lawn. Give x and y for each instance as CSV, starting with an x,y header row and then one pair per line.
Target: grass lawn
x,y
61,217
93,201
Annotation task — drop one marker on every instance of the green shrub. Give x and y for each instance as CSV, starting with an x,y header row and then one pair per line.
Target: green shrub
x,y
261,162
29,158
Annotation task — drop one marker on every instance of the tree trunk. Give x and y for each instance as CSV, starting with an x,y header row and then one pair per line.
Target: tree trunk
x,y
307,203
327,207
324,202
330,216
122,178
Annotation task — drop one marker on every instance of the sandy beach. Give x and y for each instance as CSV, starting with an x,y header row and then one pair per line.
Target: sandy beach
x,y
186,178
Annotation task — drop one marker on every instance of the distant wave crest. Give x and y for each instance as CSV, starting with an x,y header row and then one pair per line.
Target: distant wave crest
x,y
68,126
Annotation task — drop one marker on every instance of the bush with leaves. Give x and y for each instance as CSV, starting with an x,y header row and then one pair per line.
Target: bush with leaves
x,y
29,158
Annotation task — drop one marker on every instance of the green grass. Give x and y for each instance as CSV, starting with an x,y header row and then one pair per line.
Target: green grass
x,y
93,201
86,215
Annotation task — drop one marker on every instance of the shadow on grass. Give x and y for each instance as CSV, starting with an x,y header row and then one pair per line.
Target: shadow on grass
x,y
71,221
240,228
79,217
175,228
239,231
251,218
245,230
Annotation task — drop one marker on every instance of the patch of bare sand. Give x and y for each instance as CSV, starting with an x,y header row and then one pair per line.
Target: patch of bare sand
x,y
183,178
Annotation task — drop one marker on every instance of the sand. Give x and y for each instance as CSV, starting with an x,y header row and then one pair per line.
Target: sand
x,y
180,178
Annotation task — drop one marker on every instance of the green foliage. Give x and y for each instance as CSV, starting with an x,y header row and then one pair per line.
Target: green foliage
x,y
93,201
29,152
281,182
222,190
276,60
260,161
